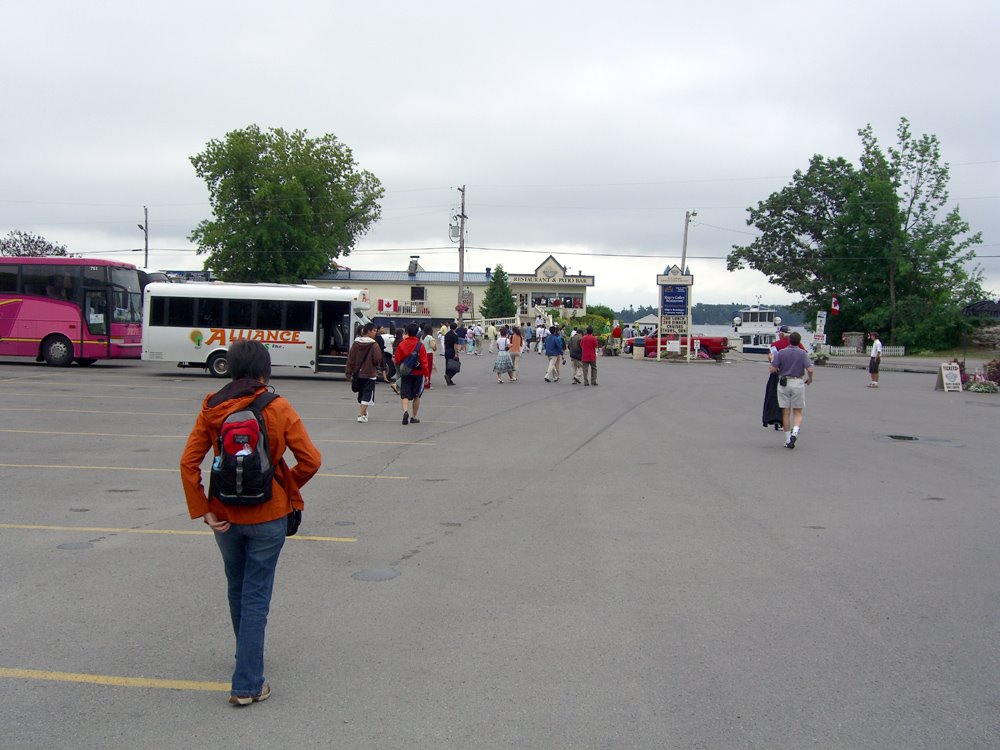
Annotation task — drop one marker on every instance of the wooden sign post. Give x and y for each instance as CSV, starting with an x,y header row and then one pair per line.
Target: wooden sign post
x,y
949,378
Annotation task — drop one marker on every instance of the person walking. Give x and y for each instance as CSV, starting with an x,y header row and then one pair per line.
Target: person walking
x,y
527,337
364,363
249,537
411,386
575,356
791,365
771,412
541,333
516,347
491,335
470,339
478,331
876,359
554,349
430,346
588,358
503,363
451,349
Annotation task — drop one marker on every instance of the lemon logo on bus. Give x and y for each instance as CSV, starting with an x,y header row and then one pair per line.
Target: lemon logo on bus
x,y
196,338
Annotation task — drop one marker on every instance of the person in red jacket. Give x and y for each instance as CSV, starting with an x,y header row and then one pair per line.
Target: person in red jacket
x,y
411,387
588,345
250,537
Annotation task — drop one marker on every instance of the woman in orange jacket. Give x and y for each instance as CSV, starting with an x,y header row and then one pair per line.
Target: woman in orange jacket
x,y
250,537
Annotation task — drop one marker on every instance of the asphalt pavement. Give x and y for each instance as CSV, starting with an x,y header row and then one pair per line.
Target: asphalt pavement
x,y
534,565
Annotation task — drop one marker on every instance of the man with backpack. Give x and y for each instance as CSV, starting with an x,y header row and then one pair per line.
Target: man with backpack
x,y
411,364
254,498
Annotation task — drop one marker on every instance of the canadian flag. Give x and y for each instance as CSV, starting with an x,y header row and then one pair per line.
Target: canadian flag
x,y
388,305
835,305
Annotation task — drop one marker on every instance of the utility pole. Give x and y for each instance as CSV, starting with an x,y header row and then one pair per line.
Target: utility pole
x,y
145,230
688,215
461,255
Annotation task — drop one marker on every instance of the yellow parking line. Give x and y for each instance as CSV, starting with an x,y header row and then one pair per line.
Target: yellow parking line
x,y
104,679
177,471
184,437
179,532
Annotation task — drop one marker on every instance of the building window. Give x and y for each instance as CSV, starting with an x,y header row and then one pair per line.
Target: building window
x,y
417,293
522,304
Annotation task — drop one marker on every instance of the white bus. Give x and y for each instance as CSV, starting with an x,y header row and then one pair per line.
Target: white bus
x,y
194,324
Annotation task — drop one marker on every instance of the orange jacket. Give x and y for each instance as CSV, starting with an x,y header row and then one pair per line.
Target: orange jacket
x,y
284,431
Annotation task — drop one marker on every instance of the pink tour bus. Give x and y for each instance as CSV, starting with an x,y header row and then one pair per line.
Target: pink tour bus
x,y
60,310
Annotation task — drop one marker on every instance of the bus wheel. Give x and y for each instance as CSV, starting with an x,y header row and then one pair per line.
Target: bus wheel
x,y
218,365
57,351
85,361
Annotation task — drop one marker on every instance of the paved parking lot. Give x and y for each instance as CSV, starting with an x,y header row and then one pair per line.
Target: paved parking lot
x,y
535,565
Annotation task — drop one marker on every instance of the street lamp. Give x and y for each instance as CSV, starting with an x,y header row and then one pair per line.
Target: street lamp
x,y
144,227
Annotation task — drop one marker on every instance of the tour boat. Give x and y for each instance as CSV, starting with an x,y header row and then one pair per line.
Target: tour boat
x,y
757,328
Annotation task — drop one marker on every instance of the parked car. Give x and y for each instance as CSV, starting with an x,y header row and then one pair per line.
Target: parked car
x,y
715,346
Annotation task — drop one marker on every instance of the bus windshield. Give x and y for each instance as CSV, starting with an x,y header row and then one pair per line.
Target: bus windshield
x,y
127,293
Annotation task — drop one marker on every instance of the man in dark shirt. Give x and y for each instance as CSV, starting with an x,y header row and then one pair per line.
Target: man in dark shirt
x,y
450,353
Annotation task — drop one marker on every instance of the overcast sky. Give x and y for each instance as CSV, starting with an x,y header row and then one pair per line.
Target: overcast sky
x,y
581,129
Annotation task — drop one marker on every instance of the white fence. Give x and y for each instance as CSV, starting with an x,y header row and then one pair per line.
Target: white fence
x,y
850,351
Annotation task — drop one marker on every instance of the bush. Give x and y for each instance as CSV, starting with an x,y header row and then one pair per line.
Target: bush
x,y
992,370
982,386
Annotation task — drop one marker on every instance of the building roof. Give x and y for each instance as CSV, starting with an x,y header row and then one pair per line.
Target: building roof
x,y
420,277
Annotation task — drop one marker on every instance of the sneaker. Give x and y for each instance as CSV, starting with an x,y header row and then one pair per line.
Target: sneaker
x,y
246,700
414,420
406,417
362,417
791,442
547,380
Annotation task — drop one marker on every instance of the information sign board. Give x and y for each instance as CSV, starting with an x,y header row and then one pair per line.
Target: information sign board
x,y
674,299
949,378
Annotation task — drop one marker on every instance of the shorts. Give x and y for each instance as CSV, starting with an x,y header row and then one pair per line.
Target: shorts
x,y
873,364
367,393
793,394
411,386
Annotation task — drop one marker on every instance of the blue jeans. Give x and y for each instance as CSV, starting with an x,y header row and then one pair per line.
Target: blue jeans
x,y
250,554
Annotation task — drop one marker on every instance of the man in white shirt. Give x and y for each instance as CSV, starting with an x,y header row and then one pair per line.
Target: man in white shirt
x,y
876,359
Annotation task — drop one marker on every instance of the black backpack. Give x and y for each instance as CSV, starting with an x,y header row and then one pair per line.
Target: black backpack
x,y
242,472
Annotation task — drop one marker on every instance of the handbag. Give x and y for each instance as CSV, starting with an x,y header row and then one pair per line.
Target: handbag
x,y
452,366
294,521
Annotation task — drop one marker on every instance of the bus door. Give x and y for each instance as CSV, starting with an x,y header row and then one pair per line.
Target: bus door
x,y
333,332
97,320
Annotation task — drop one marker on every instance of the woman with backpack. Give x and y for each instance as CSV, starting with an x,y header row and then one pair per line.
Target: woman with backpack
x,y
411,364
249,535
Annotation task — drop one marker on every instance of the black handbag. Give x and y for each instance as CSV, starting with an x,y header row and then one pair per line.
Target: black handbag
x,y
294,521
453,367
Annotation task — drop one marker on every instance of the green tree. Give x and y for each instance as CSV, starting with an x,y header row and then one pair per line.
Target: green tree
x,y
498,301
874,236
27,245
603,310
285,205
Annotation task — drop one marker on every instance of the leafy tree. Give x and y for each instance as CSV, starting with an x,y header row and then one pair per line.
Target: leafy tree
x,y
603,310
874,236
27,245
285,205
498,301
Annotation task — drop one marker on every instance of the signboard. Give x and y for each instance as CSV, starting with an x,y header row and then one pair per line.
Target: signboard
x,y
949,378
674,300
819,338
674,345
697,344
820,322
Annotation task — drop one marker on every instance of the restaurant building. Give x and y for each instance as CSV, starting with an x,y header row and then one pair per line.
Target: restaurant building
x,y
418,294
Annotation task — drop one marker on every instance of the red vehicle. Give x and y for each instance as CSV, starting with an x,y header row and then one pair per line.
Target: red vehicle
x,y
61,310
714,346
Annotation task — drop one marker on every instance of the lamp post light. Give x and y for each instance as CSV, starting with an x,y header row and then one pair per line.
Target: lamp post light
x,y
145,230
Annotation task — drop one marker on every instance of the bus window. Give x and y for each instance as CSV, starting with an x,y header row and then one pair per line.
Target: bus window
x,y
180,312
8,279
210,312
299,316
269,314
34,280
240,314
